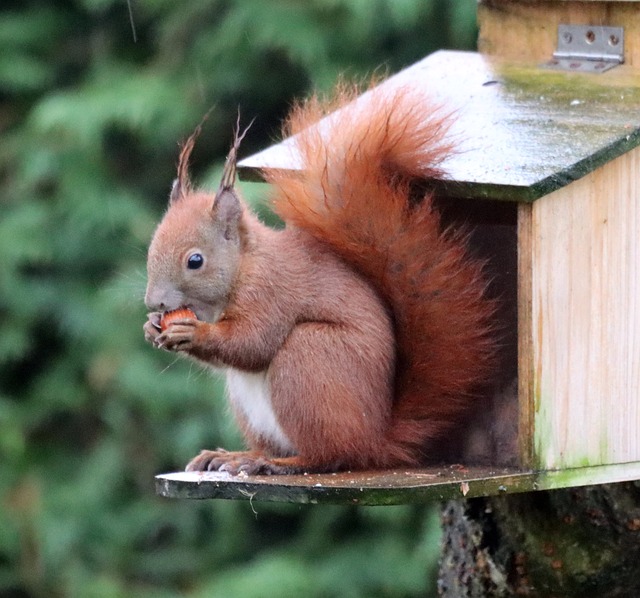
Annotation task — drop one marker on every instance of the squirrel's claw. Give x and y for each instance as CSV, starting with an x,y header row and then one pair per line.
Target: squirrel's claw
x,y
152,327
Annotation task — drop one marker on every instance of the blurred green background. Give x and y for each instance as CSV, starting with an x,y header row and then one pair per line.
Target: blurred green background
x,y
91,111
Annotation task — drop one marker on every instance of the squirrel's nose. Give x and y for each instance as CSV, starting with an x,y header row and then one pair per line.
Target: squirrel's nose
x,y
158,299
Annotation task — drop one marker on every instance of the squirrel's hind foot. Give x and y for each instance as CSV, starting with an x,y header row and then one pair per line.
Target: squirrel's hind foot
x,y
245,462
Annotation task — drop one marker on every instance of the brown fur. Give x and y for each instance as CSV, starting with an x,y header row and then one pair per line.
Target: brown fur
x,y
355,196
367,320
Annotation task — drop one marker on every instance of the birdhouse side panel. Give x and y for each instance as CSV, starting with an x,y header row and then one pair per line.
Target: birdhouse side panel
x,y
585,319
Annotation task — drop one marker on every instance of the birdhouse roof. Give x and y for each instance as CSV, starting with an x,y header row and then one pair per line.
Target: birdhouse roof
x,y
521,131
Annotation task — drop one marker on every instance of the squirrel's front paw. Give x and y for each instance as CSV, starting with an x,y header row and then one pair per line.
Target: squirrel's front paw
x,y
179,335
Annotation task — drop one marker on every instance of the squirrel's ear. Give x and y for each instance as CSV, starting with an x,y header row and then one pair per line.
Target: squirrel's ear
x,y
176,191
227,214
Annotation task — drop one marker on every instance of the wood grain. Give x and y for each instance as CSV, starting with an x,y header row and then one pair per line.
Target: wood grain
x,y
586,319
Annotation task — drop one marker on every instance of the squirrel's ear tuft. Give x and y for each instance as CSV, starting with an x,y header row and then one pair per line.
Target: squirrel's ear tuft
x,y
228,179
227,209
182,183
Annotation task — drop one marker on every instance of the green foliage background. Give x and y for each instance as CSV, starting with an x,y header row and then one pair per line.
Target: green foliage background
x,y
90,121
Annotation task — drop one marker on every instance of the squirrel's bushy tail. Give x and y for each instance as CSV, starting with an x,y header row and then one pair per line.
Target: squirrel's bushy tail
x,y
356,192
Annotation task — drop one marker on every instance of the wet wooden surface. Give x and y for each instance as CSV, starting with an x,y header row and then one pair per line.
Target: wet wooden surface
x,y
521,131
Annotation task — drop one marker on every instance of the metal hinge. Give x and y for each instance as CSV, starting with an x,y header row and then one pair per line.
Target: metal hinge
x,y
585,48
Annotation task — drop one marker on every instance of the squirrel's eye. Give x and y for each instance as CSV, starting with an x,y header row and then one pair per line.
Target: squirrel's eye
x,y
195,261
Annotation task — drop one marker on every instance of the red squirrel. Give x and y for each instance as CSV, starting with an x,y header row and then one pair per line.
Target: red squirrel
x,y
356,336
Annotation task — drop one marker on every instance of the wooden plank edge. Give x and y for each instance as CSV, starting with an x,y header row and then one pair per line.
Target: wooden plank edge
x,y
587,165
526,359
445,188
374,488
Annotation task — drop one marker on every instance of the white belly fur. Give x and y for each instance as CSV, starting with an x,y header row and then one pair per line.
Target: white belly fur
x,y
250,394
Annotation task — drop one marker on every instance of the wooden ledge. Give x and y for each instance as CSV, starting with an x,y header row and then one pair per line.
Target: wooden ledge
x,y
392,487
348,488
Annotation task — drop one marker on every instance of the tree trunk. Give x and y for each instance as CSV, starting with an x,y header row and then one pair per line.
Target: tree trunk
x,y
577,542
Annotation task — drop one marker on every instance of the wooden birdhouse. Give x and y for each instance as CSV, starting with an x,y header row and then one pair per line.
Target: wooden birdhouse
x,y
548,174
